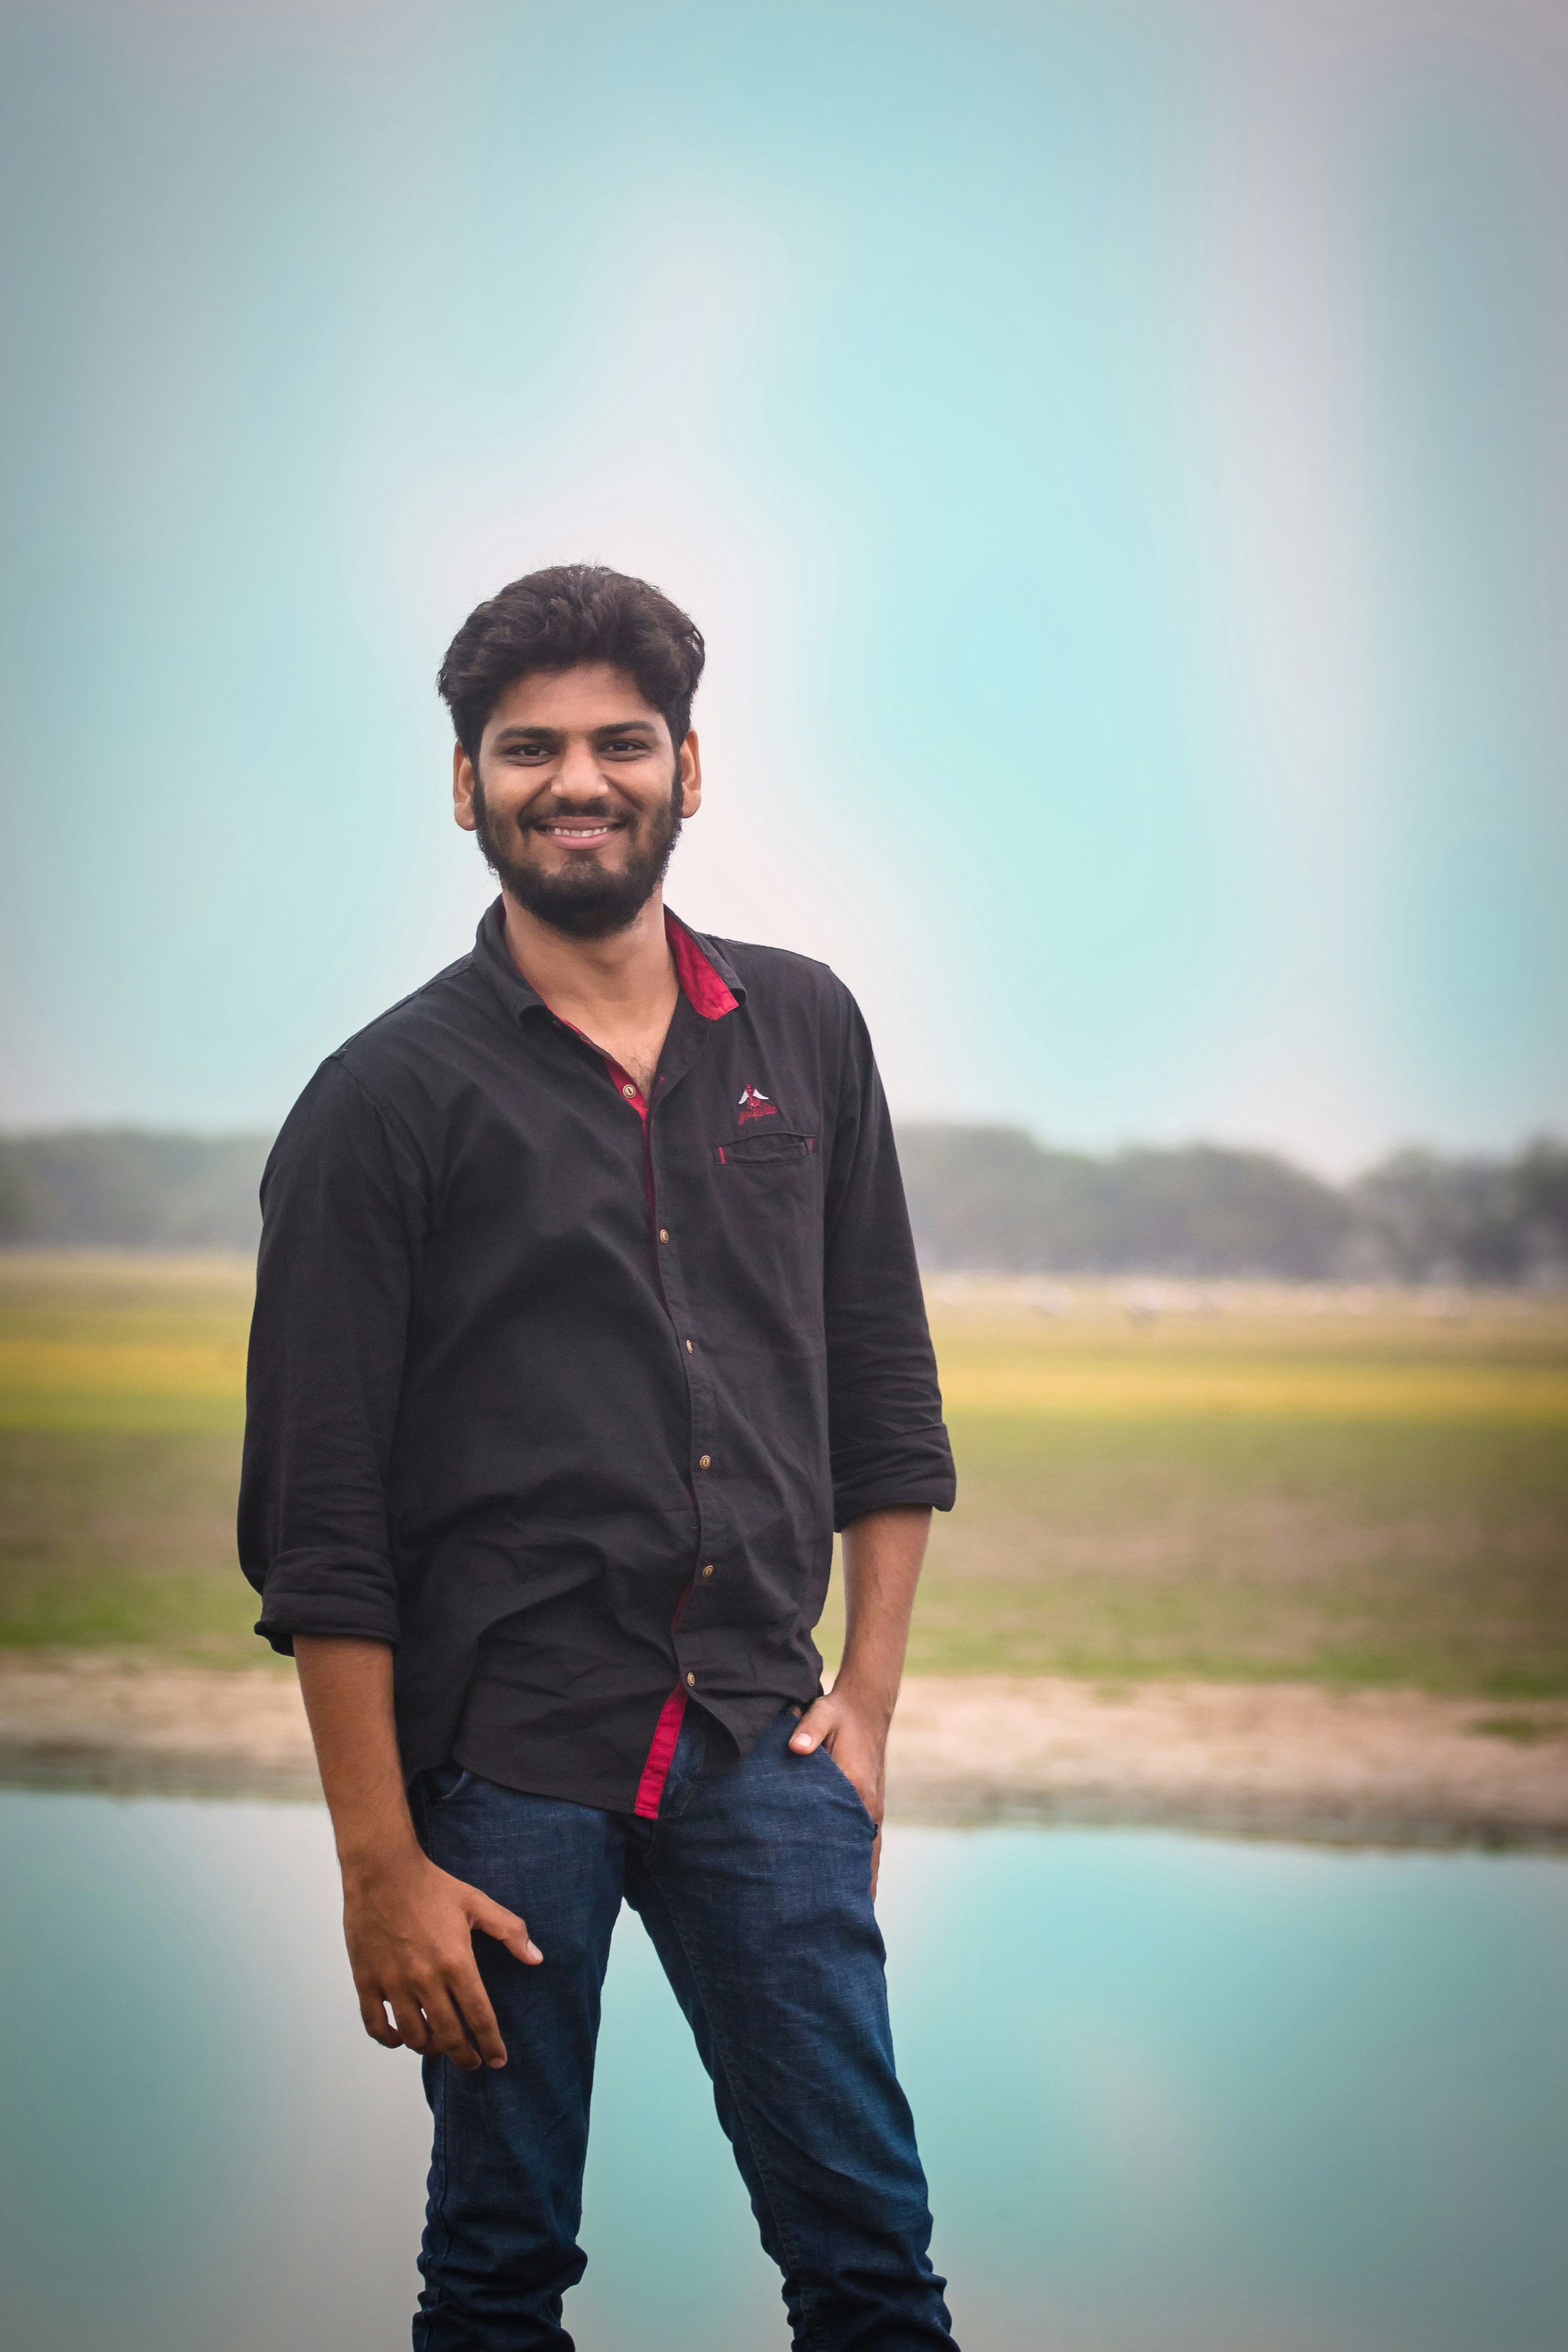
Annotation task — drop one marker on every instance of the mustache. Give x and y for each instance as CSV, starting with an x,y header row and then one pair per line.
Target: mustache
x,y
576,812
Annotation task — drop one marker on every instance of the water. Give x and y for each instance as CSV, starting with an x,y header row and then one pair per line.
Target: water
x,y
1175,2095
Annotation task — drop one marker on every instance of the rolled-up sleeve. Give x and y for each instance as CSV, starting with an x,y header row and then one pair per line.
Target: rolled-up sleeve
x,y
342,1212
888,1442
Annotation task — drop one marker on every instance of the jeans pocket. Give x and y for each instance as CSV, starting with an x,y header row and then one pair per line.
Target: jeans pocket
x,y
445,1783
844,1781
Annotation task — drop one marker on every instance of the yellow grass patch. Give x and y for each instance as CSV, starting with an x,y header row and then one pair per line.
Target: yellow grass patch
x,y
1332,1487
72,1384
1052,1387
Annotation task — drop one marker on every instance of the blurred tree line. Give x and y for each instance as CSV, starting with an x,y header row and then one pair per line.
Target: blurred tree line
x,y
993,1198
122,1188
981,1197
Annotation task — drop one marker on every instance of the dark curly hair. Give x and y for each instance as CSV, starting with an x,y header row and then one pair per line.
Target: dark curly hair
x,y
552,620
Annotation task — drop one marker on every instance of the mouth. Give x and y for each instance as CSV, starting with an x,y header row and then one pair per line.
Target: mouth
x,y
578,833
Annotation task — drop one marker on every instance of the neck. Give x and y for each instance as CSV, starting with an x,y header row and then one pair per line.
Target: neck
x,y
626,969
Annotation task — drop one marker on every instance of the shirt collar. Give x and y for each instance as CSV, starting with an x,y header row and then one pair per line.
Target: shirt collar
x,y
708,981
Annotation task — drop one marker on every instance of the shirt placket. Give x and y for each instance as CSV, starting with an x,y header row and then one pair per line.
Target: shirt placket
x,y
701,1403
705,1471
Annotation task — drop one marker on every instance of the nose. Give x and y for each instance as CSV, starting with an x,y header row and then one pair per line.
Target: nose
x,y
578,777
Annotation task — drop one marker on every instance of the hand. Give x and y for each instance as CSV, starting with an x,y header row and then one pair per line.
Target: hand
x,y
855,1733
409,1928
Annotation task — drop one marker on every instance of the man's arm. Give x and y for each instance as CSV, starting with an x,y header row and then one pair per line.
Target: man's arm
x,y
408,1926
888,1446
343,1206
890,1459
345,1202
882,1556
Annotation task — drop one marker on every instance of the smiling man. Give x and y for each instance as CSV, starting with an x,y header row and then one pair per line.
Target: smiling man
x,y
586,1311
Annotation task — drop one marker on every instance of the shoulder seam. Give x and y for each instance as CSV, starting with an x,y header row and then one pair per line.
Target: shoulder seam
x,y
450,971
386,1112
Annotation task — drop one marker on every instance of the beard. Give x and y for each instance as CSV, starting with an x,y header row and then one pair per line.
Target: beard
x,y
583,902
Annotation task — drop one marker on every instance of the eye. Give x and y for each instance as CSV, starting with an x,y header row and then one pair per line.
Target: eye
x,y
632,743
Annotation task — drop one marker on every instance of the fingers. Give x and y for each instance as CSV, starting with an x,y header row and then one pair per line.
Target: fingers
x,y
377,2024
456,2022
405,2028
446,2012
447,2033
507,1928
412,2033
472,2005
820,1719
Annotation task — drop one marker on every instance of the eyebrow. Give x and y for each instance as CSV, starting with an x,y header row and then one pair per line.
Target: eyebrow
x,y
525,734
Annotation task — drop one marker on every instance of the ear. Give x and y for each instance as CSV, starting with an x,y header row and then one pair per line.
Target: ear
x,y
690,768
463,789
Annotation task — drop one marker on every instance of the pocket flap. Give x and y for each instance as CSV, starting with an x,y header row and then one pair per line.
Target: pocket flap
x,y
773,1143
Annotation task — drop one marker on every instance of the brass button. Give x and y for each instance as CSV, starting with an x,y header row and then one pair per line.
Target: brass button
x,y
688,1347
662,1234
709,1569
705,1462
691,1680
629,1090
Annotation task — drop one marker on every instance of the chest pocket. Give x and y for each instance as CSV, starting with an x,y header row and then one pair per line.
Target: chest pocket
x,y
768,1148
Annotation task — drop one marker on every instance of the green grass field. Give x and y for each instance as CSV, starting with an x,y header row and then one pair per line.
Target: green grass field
x,y
1348,1490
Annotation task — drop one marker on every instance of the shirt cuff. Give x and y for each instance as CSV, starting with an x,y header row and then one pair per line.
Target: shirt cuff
x,y
937,1492
354,1596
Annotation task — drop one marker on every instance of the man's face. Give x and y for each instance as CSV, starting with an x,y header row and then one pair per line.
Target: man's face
x,y
578,798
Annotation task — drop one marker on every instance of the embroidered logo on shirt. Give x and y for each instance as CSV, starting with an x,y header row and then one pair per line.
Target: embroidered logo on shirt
x,y
755,1104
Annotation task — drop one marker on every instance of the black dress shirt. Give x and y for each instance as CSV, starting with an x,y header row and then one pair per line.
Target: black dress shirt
x,y
563,1393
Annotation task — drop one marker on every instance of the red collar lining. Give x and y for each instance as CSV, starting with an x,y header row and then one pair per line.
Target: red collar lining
x,y
700,984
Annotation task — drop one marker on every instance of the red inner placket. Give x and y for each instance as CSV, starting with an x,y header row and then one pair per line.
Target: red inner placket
x,y
706,992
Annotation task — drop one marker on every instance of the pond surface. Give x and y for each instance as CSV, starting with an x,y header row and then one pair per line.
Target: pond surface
x,y
1176,2094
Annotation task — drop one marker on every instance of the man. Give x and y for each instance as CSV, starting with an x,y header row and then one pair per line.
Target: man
x,y
586,1308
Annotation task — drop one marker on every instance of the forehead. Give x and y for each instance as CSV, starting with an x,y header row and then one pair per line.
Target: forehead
x,y
572,701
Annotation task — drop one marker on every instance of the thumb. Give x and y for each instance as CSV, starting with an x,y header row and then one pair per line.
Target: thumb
x,y
507,1928
815,1724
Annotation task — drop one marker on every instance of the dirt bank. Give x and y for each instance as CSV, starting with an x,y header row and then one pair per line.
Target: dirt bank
x,y
1267,1758
1275,1758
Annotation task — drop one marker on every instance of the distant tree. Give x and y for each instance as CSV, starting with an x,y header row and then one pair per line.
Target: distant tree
x,y
989,1196
993,1197
20,1206
124,1188
1433,1220
1540,1185
1204,1210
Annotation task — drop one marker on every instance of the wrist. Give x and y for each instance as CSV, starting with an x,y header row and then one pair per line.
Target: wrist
x,y
369,1855
869,1696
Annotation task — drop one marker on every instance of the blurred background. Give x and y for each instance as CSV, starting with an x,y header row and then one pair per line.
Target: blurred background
x,y
1118,454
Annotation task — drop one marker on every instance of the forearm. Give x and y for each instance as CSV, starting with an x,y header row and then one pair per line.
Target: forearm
x,y
347,1687
408,1926
882,1558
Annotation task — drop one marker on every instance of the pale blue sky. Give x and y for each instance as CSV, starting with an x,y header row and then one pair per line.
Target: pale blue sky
x,y
1119,455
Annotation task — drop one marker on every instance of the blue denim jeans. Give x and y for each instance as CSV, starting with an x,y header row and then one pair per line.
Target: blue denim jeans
x,y
754,1885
